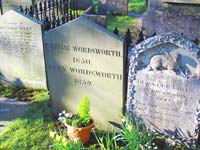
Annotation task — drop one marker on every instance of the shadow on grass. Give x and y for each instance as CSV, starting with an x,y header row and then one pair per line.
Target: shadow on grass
x,y
31,131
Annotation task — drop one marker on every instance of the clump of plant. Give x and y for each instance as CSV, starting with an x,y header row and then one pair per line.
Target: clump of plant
x,y
107,141
80,119
20,93
132,136
61,142
135,135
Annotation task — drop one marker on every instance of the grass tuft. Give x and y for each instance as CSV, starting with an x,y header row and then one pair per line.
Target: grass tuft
x,y
137,6
122,23
20,93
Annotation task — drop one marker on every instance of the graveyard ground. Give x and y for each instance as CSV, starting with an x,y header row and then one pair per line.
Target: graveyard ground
x,y
123,23
31,131
137,6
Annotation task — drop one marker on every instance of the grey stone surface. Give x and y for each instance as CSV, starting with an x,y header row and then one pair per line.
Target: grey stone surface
x,y
21,50
90,10
83,4
85,59
10,109
164,86
182,1
99,19
179,16
154,4
160,22
115,7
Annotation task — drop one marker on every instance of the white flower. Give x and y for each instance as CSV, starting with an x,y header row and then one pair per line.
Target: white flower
x,y
63,112
155,148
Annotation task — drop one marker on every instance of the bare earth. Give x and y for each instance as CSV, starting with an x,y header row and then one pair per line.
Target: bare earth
x,y
10,109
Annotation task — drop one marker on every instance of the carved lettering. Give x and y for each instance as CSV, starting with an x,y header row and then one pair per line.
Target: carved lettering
x,y
82,82
17,37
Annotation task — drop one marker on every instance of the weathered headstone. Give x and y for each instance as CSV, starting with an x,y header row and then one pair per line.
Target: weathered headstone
x,y
21,50
85,59
15,4
172,16
164,86
115,7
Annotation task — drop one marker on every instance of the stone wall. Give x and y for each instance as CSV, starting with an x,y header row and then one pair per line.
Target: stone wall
x,y
163,17
160,22
115,7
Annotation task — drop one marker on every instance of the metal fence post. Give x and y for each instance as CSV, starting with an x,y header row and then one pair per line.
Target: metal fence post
x,y
1,7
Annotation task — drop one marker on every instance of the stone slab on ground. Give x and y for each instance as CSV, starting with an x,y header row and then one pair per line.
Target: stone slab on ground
x,y
10,109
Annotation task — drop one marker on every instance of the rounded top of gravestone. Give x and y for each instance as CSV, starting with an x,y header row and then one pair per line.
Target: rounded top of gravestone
x,y
170,37
163,86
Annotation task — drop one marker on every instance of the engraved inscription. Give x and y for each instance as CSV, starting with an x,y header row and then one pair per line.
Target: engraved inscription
x,y
56,49
166,103
17,39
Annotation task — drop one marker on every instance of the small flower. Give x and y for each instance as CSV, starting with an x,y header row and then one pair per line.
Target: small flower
x,y
123,120
63,112
149,147
58,138
155,148
80,129
65,143
52,134
129,127
63,139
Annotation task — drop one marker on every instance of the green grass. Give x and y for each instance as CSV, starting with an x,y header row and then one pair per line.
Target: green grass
x,y
122,23
21,93
30,132
137,6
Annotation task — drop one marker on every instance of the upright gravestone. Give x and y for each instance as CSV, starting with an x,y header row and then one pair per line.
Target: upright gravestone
x,y
115,7
21,50
164,86
85,59
12,4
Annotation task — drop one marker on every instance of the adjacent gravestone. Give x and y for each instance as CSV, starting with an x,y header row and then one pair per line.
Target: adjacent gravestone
x,y
21,50
115,7
98,19
12,4
164,86
85,59
82,4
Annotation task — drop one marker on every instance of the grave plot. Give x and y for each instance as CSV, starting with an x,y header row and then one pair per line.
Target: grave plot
x,y
82,58
164,86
